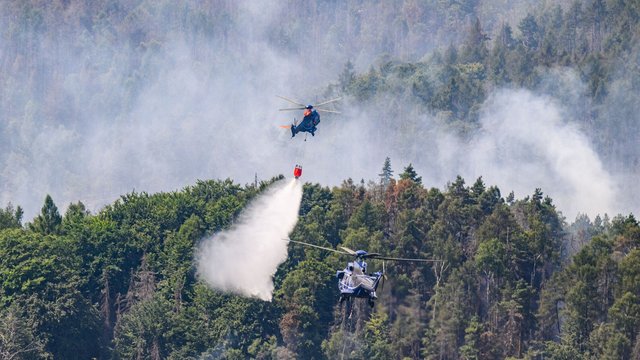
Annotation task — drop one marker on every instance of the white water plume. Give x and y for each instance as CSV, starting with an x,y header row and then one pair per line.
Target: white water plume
x,y
244,258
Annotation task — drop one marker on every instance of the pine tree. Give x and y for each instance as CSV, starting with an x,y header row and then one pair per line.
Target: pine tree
x,y
48,222
410,174
387,173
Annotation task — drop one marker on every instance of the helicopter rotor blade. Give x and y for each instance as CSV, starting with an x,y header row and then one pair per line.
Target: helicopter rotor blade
x,y
329,101
291,101
406,259
349,251
329,111
317,246
291,109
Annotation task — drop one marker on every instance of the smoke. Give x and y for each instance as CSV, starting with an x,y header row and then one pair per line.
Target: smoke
x,y
525,140
153,97
244,258
526,143
95,114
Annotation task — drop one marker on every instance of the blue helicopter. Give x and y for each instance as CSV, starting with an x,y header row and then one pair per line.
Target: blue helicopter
x,y
311,117
353,281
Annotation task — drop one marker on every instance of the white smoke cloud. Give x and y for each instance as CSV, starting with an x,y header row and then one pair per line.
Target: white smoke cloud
x,y
244,258
207,109
526,143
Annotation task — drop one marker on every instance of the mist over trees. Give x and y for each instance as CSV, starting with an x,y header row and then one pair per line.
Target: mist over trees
x,y
100,97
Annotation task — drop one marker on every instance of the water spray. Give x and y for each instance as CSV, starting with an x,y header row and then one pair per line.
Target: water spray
x,y
244,258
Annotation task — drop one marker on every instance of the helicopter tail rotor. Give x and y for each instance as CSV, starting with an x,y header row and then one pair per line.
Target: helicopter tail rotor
x,y
384,277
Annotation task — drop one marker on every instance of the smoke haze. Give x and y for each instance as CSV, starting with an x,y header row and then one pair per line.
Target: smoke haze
x,y
524,142
155,102
244,258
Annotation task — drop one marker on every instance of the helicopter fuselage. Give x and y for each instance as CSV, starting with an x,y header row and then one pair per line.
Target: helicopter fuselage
x,y
354,282
308,124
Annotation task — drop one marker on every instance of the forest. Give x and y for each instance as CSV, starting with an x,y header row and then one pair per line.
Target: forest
x,y
516,280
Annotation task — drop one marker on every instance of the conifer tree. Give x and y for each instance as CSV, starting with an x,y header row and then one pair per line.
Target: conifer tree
x,y
410,174
48,222
387,174
10,218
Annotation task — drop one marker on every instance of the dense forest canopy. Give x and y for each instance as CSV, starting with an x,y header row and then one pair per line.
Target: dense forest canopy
x,y
514,279
504,135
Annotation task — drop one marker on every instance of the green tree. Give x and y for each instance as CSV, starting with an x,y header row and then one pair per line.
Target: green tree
x,y
470,351
410,174
592,276
376,337
10,217
142,332
490,259
625,315
49,220
306,297
607,343
74,217
387,174
630,272
18,339
48,286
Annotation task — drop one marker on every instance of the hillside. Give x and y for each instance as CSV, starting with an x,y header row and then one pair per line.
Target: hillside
x,y
122,283
511,127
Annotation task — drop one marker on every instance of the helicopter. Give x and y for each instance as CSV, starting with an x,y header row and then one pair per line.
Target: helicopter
x,y
353,281
311,117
